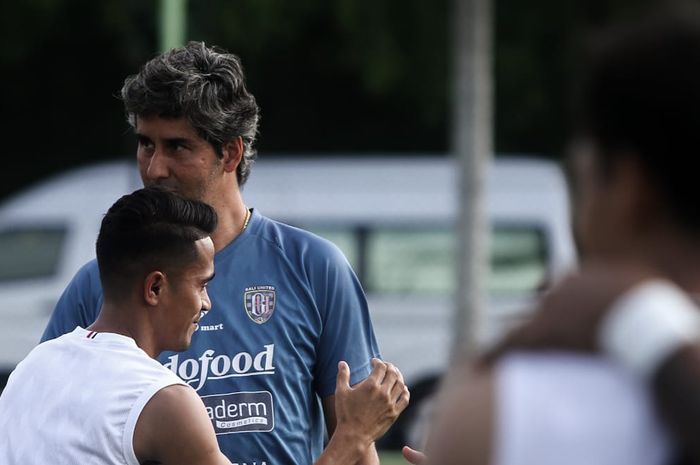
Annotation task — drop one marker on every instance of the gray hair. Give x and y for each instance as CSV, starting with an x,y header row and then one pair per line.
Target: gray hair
x,y
204,85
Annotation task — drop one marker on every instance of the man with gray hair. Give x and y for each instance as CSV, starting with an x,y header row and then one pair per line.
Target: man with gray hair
x,y
289,305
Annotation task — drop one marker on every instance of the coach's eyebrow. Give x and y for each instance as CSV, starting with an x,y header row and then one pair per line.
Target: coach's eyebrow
x,y
177,141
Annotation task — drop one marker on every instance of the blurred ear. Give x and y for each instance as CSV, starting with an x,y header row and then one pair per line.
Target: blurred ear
x,y
635,196
233,153
153,287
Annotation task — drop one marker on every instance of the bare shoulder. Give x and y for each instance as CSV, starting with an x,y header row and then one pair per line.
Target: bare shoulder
x,y
174,428
464,418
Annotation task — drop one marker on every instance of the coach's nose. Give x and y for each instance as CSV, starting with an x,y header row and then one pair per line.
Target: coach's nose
x,y
156,167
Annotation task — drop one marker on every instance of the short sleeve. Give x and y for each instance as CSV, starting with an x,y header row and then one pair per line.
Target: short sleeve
x,y
78,305
347,332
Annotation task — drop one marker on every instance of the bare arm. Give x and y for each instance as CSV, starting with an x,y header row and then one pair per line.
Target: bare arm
x,y
464,418
363,413
174,429
463,421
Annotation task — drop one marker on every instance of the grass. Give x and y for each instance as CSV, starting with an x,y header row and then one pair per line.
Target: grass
x,y
391,458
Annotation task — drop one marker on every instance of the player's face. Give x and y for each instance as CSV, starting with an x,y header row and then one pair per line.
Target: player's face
x,y
170,153
597,219
186,299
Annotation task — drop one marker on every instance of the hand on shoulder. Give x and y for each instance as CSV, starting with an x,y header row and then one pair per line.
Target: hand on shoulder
x,y
366,410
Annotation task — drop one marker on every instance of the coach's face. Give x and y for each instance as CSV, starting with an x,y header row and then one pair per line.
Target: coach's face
x,y
171,154
185,299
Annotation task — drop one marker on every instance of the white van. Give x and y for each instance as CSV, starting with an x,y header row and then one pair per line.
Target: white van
x,y
393,217
46,233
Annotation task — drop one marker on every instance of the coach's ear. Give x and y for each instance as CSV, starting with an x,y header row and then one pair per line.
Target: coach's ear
x,y
153,287
232,154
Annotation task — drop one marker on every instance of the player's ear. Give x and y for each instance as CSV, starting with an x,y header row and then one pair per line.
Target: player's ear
x,y
638,195
232,154
153,286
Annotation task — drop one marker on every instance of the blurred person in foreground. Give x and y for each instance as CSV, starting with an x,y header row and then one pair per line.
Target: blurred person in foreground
x,y
289,305
97,394
637,217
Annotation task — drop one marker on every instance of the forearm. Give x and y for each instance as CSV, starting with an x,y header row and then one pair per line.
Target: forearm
x,y
370,457
341,440
677,389
345,448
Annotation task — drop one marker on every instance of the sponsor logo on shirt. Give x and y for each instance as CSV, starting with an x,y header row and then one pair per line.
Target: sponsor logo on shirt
x,y
259,303
241,412
209,366
218,327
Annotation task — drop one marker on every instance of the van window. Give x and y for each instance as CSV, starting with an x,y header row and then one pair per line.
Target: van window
x,y
30,252
518,260
422,260
404,261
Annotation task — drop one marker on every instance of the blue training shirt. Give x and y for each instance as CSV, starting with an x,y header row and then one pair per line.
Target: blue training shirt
x,y
286,307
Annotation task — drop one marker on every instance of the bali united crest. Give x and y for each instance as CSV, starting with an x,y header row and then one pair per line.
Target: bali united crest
x,y
260,303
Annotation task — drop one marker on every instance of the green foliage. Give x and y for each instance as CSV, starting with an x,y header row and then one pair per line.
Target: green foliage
x,y
64,62
338,74
330,75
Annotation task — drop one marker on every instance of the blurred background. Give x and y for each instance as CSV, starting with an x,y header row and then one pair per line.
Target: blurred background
x,y
330,75
355,140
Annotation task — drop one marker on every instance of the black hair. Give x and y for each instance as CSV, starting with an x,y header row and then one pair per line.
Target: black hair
x,y
641,96
206,86
149,229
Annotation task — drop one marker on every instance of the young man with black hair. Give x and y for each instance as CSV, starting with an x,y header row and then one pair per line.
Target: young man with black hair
x,y
637,217
96,395
289,305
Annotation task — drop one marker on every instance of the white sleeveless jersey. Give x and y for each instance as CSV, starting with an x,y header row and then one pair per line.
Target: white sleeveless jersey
x,y
75,400
557,408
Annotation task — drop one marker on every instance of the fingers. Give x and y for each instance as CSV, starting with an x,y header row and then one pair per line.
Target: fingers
x,y
404,399
413,456
398,387
400,374
385,378
378,371
391,376
343,380
393,385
